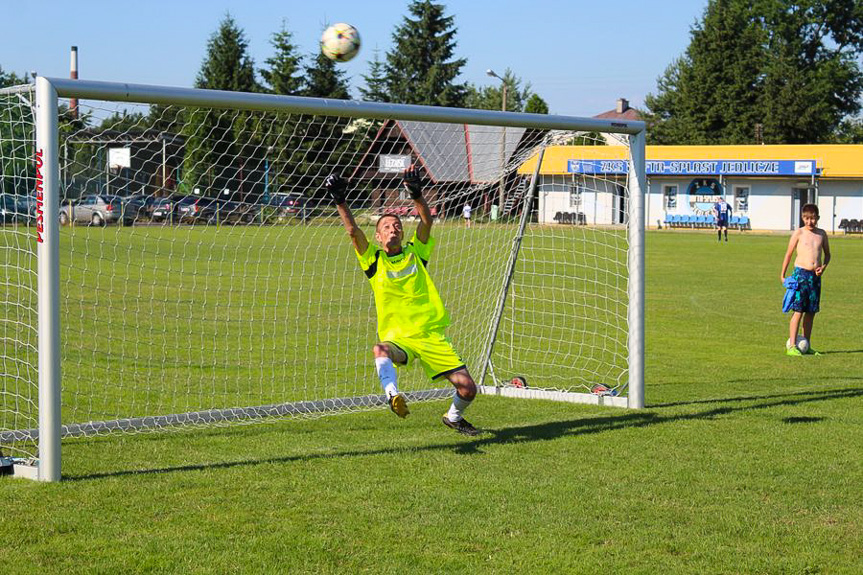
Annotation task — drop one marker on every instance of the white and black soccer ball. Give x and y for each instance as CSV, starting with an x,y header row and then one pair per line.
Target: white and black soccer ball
x,y
802,344
340,42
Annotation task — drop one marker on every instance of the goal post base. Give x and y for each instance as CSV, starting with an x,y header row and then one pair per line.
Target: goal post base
x,y
566,396
18,467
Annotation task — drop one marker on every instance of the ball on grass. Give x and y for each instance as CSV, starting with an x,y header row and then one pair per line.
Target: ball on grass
x,y
802,344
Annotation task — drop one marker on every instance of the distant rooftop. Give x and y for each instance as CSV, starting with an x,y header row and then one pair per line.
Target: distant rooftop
x,y
621,112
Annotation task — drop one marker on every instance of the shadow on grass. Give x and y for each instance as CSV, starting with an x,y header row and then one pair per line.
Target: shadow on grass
x,y
821,392
802,419
540,432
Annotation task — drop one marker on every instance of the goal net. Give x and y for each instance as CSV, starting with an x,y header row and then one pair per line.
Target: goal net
x,y
204,277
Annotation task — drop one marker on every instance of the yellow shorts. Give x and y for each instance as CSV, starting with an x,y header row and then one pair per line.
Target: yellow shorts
x,y
434,351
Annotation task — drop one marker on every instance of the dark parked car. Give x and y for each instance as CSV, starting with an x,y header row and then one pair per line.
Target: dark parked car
x,y
166,209
291,204
195,209
139,207
237,212
12,210
96,210
27,206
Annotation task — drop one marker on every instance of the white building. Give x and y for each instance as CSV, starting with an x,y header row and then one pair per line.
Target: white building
x,y
766,185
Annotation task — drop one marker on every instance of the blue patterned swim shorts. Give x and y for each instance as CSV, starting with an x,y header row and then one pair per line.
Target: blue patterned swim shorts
x,y
808,296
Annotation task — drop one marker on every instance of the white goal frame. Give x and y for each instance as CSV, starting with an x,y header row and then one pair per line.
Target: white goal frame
x,y
48,91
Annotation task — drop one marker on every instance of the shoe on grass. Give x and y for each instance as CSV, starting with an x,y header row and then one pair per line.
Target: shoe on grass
x,y
462,426
399,405
811,351
793,351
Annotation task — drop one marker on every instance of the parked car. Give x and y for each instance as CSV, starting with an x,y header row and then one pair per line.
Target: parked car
x,y
194,209
139,207
11,209
96,210
238,212
291,204
27,205
166,209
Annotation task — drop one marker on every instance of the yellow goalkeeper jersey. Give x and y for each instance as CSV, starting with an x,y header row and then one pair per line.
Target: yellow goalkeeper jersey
x,y
406,299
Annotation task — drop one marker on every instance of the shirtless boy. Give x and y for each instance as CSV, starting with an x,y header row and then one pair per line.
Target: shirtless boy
x,y
810,243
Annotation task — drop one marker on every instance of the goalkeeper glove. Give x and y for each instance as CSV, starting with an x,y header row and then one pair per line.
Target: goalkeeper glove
x,y
336,187
413,183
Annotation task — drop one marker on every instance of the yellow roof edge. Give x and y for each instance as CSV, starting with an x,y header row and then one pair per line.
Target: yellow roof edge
x,y
835,161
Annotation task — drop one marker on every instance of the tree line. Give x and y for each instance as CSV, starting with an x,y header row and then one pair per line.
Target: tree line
x,y
764,71
421,67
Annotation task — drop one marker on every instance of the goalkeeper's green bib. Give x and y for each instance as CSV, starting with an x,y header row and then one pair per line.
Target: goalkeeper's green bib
x,y
406,299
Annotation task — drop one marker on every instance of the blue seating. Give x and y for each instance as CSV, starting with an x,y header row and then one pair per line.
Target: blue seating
x,y
686,220
667,220
744,222
734,222
711,220
700,221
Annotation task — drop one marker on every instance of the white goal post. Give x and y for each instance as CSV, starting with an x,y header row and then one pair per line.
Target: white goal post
x,y
171,254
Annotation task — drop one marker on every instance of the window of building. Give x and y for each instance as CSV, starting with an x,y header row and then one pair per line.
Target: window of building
x,y
741,200
575,197
669,198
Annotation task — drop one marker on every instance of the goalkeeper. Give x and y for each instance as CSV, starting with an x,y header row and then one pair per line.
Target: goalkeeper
x,y
411,316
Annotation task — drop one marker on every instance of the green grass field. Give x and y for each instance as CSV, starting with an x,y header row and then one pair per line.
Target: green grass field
x,y
744,461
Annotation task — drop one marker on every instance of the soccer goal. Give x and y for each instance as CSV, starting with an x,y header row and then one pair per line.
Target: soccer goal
x,y
170,259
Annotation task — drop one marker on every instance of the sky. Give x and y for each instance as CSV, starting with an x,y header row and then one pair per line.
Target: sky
x,y
580,56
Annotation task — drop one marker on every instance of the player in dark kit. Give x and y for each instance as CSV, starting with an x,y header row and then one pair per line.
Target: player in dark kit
x,y
722,211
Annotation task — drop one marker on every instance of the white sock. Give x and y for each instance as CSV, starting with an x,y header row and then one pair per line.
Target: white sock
x,y
387,372
459,405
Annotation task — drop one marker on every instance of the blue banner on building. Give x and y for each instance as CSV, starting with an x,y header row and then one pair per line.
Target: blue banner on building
x,y
698,167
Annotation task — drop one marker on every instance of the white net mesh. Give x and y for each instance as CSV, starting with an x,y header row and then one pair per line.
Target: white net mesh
x,y
206,278
18,302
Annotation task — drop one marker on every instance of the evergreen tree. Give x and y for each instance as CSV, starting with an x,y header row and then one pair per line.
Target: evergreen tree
x,y
710,96
490,97
325,80
536,105
790,66
850,131
17,119
165,118
376,83
222,152
420,68
228,65
813,79
322,142
11,78
124,122
282,74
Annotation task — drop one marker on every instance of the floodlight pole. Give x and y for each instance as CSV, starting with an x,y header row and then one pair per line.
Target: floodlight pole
x,y
502,194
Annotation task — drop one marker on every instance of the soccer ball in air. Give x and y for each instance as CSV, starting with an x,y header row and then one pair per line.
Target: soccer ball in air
x,y
340,42
802,344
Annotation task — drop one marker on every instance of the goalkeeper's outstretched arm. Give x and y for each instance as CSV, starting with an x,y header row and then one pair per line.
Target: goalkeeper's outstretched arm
x,y
336,187
413,184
